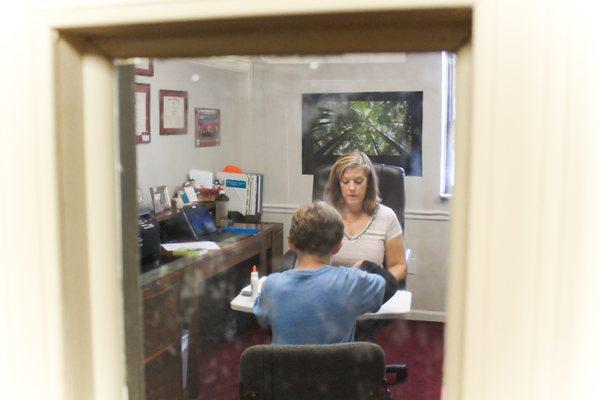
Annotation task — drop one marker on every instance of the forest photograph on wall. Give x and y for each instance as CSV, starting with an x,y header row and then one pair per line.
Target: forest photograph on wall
x,y
387,126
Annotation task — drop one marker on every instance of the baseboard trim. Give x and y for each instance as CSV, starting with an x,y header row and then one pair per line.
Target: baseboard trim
x,y
424,315
432,215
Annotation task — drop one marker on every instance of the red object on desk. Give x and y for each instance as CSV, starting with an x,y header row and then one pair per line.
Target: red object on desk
x,y
233,169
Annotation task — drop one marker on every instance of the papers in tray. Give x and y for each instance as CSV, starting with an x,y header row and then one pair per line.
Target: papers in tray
x,y
190,246
201,178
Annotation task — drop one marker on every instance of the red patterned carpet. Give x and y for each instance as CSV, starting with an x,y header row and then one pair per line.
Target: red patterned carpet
x,y
418,344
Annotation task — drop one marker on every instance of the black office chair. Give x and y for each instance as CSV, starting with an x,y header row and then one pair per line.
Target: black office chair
x,y
348,371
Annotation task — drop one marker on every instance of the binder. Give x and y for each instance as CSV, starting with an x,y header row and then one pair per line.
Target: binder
x,y
236,188
255,198
244,192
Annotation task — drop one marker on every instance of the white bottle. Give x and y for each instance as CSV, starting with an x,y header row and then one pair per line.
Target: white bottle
x,y
254,281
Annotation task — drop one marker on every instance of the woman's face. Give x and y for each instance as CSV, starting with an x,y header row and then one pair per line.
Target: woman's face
x,y
353,186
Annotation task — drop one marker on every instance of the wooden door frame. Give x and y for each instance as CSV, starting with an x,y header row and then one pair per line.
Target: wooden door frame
x,y
98,279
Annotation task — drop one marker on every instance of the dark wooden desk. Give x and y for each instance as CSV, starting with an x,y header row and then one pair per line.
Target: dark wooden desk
x,y
175,298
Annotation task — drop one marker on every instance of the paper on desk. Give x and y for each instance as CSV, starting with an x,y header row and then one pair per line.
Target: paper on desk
x,y
399,303
201,178
203,245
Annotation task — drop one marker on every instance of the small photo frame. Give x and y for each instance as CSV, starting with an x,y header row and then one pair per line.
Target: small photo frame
x,y
159,195
208,126
173,105
188,195
144,66
142,113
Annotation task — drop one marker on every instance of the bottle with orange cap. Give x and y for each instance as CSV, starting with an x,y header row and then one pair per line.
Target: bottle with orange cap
x,y
254,281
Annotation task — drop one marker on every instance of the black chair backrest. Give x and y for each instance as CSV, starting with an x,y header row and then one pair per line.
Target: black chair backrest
x,y
348,371
391,186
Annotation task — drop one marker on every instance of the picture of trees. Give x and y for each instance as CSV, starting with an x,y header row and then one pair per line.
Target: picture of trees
x,y
385,125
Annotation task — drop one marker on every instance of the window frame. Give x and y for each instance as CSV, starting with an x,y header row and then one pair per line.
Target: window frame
x,y
83,44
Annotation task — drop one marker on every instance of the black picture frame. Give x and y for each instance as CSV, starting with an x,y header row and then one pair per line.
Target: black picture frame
x,y
325,138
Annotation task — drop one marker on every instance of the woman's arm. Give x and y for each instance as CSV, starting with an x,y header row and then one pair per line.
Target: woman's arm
x,y
394,257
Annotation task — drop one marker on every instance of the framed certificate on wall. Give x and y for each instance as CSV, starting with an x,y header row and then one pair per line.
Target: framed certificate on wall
x,y
144,66
173,106
142,113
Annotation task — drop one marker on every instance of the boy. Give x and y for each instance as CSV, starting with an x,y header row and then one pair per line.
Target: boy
x,y
316,303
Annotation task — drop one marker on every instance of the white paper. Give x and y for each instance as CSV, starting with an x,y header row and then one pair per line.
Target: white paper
x,y
173,114
203,245
201,178
140,113
399,303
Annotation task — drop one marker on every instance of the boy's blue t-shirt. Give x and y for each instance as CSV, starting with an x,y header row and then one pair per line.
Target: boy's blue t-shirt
x,y
317,306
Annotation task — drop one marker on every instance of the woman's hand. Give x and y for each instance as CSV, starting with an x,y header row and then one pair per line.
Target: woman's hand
x,y
394,257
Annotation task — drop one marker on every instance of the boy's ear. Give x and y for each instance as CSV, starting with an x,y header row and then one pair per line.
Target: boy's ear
x,y
292,245
336,248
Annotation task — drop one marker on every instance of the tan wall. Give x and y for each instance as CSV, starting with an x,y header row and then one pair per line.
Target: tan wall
x,y
276,150
167,159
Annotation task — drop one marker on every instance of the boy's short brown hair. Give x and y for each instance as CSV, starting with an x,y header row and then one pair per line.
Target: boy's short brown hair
x,y
316,228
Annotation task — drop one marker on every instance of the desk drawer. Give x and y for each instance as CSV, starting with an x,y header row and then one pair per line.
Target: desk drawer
x,y
161,318
164,376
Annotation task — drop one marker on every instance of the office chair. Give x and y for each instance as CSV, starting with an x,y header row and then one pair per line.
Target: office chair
x,y
347,371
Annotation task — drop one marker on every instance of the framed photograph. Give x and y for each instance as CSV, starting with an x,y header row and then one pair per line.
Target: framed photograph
x,y
387,126
208,127
160,198
142,113
173,106
144,66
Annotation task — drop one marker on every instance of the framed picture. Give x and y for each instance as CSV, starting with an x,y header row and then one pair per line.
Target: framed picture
x,y
144,66
387,126
160,198
142,113
173,106
208,126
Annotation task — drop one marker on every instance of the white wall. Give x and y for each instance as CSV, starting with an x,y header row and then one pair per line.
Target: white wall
x,y
275,150
167,159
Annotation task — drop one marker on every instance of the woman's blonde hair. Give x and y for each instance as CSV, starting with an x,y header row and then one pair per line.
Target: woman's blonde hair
x,y
354,159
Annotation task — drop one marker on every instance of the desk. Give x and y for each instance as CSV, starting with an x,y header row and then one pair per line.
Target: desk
x,y
396,307
172,296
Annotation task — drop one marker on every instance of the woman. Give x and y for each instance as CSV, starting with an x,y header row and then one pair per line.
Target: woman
x,y
372,231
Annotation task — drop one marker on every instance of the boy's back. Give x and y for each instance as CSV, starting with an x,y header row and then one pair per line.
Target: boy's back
x,y
317,306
